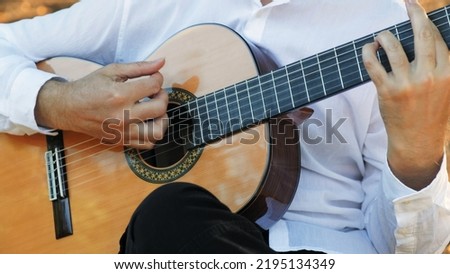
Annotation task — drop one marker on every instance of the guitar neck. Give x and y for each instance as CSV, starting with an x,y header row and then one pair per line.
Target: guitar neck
x,y
296,85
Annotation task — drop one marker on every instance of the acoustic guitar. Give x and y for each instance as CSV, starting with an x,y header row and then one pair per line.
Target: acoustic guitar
x,y
232,130
71,194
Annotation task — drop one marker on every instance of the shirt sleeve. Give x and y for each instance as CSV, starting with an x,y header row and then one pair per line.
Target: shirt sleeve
x,y
399,219
92,36
423,217
20,86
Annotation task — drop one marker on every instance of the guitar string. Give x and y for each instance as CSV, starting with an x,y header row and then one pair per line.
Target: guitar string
x,y
303,76
156,155
293,79
91,179
236,93
403,24
316,56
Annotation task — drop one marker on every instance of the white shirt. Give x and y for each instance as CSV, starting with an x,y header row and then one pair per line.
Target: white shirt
x,y
348,200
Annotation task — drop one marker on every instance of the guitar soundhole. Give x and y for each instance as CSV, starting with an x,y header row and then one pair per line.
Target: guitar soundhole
x,y
173,156
173,147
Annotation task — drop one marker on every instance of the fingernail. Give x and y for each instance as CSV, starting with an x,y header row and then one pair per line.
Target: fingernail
x,y
153,61
160,59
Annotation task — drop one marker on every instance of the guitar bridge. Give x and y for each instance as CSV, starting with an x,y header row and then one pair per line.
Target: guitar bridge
x,y
58,186
54,175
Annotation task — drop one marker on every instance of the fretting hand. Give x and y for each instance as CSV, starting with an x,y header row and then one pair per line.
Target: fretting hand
x,y
414,99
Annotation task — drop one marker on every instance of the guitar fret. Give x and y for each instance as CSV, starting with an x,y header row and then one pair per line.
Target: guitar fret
x,y
228,124
313,78
227,106
222,110
219,121
193,112
289,87
382,58
207,123
330,72
202,110
396,32
213,129
357,61
235,120
339,68
374,35
447,15
256,100
250,104
275,91
297,83
283,90
262,98
359,43
244,103
349,65
304,81
238,105
321,75
269,96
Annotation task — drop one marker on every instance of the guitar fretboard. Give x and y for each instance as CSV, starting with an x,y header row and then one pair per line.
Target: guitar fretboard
x,y
293,86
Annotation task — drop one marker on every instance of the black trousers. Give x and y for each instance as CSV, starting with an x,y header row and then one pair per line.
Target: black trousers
x,y
185,218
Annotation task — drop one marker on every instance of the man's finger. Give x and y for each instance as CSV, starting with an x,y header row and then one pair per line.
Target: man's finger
x,y
146,86
153,108
144,135
424,42
124,72
374,68
395,53
442,52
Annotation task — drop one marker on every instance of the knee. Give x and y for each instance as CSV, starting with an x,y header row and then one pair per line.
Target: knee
x,y
176,200
174,194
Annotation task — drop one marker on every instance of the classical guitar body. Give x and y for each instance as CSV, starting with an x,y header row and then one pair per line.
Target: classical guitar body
x,y
254,170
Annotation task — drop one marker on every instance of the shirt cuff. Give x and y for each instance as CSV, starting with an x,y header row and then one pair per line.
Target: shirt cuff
x,y
422,217
23,97
396,191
